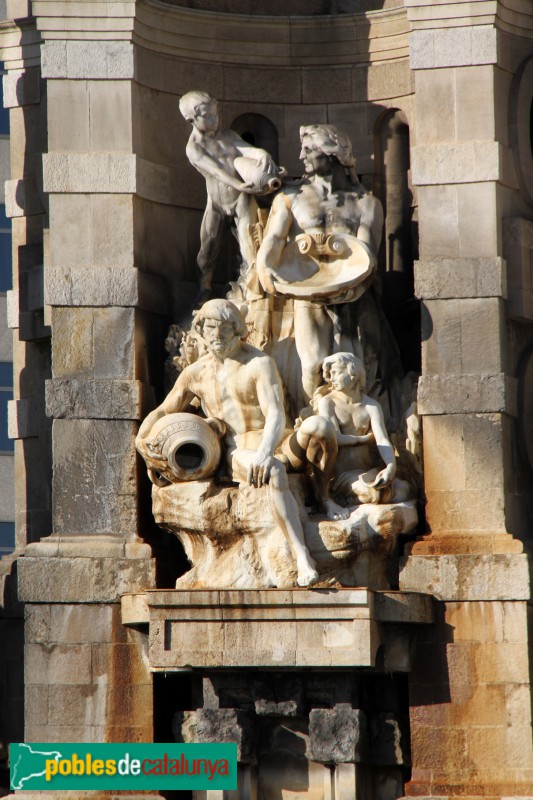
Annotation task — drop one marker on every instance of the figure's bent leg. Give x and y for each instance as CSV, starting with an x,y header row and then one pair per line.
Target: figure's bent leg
x,y
287,517
209,248
284,511
318,438
245,216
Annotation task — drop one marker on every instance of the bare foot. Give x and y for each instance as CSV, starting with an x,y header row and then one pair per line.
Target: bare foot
x,y
307,574
334,511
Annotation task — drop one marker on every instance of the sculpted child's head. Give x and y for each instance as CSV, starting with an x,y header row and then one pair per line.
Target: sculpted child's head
x,y
192,100
344,364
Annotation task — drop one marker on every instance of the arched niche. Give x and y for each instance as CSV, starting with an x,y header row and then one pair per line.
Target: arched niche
x,y
258,130
521,127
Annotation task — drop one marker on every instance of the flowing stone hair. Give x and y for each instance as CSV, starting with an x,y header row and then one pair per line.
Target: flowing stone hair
x,y
354,366
333,143
190,102
223,310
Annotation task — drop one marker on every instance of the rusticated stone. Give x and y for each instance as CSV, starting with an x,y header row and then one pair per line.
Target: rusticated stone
x,y
217,725
336,734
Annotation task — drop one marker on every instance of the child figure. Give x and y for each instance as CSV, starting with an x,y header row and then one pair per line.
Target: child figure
x,y
214,152
337,441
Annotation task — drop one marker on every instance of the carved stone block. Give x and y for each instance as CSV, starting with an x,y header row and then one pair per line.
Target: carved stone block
x,y
337,734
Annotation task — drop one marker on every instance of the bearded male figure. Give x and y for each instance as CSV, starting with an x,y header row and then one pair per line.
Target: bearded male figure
x,y
240,393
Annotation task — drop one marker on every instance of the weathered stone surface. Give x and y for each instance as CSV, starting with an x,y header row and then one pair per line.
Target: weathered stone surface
x,y
85,60
467,577
337,734
202,514
453,47
111,173
21,88
72,398
456,163
105,286
278,698
217,725
465,394
443,278
270,628
82,580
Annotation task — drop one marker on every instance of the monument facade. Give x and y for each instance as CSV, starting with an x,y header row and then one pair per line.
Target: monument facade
x,y
320,550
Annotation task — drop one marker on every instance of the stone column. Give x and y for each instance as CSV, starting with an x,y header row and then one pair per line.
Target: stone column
x,y
470,706
86,676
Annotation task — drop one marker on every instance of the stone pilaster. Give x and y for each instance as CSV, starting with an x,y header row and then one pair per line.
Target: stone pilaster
x,y
468,735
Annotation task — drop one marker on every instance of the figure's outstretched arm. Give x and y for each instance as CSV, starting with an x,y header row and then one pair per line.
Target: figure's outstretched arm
x,y
205,163
271,249
178,399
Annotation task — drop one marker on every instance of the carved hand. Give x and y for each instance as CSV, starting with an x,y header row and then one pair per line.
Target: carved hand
x,y
384,477
259,469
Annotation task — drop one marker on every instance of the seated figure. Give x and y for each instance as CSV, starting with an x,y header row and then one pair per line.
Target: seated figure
x,y
337,440
241,395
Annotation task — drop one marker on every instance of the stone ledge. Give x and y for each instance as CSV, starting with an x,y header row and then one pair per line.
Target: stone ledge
x,y
454,278
467,577
467,394
271,628
82,580
106,286
71,398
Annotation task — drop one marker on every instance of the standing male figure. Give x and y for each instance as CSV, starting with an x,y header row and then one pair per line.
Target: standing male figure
x,y
212,151
240,390
328,198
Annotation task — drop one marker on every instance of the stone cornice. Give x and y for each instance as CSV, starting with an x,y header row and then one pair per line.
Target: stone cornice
x,y
273,41
229,38
510,16
20,43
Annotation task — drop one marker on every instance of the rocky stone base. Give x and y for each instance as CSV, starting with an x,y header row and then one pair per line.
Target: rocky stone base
x,y
232,541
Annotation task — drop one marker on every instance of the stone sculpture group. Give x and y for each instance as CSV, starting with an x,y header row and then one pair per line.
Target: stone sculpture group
x,y
272,457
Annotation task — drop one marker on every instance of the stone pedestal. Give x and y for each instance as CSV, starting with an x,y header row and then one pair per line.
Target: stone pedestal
x,y
271,629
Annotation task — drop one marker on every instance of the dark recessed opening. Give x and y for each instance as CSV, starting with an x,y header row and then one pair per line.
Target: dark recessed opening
x,y
189,456
531,127
248,137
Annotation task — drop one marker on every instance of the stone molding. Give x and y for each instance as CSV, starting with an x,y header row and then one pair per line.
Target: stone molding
x,y
454,278
20,44
467,394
